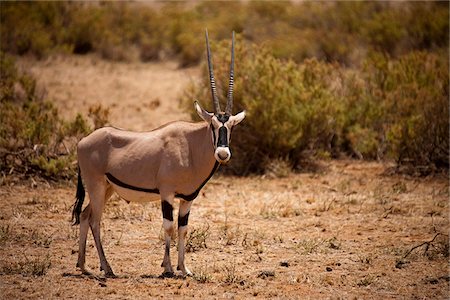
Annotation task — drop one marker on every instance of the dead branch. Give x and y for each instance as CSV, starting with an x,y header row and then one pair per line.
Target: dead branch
x,y
427,244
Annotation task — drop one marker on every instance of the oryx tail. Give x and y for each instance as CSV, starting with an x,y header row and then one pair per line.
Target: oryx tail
x,y
80,195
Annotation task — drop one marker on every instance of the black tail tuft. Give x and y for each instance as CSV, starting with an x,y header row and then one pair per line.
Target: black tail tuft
x,y
79,201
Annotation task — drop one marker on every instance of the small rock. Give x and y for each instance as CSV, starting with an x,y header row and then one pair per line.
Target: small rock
x,y
401,264
329,269
284,263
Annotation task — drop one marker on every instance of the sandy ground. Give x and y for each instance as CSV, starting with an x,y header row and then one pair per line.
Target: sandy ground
x,y
348,231
139,96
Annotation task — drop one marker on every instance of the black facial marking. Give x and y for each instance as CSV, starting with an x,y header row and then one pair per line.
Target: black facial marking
x,y
213,132
222,141
183,221
223,137
223,118
167,210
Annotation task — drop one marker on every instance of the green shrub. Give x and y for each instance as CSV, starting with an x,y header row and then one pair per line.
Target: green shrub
x,y
416,93
398,109
391,109
290,108
334,32
33,139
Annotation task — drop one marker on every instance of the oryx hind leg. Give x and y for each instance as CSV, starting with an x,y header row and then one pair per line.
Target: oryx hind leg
x,y
183,218
99,191
84,226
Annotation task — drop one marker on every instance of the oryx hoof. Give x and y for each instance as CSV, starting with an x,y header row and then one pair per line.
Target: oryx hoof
x,y
188,274
110,274
167,275
184,271
85,272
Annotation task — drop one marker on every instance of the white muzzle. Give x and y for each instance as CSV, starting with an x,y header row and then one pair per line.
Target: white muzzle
x,y
222,154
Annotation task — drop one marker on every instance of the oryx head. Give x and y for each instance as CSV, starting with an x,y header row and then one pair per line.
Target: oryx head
x,y
221,122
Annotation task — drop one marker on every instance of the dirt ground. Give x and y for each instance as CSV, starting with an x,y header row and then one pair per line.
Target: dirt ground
x,y
348,231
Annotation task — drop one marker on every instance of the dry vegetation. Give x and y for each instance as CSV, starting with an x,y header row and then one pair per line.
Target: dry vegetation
x,y
349,229
344,232
344,229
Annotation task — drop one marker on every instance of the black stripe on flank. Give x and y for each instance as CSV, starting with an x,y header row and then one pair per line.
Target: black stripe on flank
x,y
167,210
130,187
190,197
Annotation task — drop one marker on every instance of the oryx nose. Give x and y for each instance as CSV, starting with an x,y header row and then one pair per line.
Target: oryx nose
x,y
222,155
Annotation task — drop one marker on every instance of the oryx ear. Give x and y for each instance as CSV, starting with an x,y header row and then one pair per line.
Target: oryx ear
x,y
236,119
203,113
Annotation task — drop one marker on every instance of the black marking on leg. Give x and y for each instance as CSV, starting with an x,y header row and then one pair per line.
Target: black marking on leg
x,y
167,210
183,221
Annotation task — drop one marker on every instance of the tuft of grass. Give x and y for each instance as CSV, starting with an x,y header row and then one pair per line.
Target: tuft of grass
x,y
310,246
40,239
202,275
282,209
196,238
230,236
28,267
231,276
5,233
366,281
333,243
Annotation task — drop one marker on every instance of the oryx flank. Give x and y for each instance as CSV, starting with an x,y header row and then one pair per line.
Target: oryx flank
x,y
173,161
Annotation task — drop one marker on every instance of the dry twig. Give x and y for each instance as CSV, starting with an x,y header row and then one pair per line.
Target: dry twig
x,y
426,244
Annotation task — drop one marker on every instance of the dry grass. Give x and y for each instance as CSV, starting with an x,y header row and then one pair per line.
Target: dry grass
x,y
342,243
337,233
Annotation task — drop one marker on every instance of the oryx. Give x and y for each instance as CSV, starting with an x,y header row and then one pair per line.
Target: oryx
x,y
173,161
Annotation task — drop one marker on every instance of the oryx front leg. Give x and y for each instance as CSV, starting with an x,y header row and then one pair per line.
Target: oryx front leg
x,y
183,218
167,211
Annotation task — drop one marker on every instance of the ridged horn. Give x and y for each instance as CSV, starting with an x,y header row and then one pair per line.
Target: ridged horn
x,y
229,108
211,77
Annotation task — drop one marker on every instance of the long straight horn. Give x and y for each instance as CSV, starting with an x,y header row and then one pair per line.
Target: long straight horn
x,y
211,77
229,108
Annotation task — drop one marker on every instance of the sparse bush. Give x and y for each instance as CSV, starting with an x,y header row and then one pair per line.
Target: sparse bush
x,y
392,109
347,30
290,107
373,86
33,139
399,110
